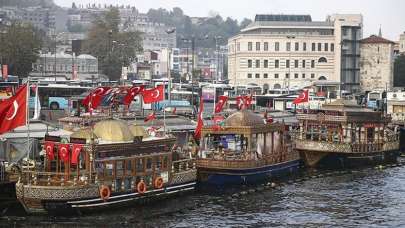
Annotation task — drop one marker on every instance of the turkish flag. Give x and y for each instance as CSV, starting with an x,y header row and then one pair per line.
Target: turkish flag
x,y
200,123
153,95
303,97
220,104
247,101
132,92
49,146
76,149
13,111
239,102
151,116
64,152
93,100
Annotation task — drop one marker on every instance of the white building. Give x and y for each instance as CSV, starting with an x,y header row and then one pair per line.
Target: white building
x,y
402,43
376,64
285,51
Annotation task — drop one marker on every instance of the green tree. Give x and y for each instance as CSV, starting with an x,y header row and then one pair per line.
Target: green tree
x,y
113,49
399,71
20,46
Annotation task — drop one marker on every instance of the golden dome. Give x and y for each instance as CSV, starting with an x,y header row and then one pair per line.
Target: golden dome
x,y
244,118
83,133
113,131
138,131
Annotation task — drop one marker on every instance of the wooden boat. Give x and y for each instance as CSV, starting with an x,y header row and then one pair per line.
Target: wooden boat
x,y
245,150
113,168
343,134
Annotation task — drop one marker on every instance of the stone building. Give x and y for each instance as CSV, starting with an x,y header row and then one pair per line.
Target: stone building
x,y
376,64
402,43
285,51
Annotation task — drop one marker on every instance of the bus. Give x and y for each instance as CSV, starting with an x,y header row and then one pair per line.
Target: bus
x,y
56,96
375,100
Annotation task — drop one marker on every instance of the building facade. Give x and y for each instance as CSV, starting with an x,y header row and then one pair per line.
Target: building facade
x,y
286,51
402,43
376,64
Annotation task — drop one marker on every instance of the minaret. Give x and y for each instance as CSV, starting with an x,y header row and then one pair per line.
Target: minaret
x,y
379,32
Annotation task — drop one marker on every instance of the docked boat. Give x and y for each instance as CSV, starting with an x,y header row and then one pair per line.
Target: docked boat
x,y
245,150
110,165
344,134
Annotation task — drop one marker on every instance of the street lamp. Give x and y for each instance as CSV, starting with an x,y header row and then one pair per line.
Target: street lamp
x,y
54,64
169,31
216,38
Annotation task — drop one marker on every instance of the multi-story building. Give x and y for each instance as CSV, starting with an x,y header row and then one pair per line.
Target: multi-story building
x,y
402,43
376,64
70,66
284,51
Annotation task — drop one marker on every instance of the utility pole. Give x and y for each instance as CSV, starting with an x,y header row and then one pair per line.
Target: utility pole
x,y
54,65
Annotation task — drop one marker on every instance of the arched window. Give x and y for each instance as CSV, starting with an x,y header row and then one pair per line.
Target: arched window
x,y
277,86
322,78
322,60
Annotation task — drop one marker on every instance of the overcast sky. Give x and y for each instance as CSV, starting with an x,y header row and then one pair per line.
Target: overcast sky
x,y
390,14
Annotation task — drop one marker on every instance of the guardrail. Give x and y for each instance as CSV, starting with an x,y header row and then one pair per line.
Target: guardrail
x,y
183,165
54,178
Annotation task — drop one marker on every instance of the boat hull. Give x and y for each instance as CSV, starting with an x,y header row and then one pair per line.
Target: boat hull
x,y
227,177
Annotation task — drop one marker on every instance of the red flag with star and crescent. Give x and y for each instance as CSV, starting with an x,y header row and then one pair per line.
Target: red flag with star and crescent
x,y
131,93
153,95
64,152
13,111
49,150
303,97
220,104
200,122
76,149
93,100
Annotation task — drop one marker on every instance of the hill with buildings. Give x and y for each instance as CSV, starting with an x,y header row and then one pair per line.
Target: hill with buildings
x,y
27,3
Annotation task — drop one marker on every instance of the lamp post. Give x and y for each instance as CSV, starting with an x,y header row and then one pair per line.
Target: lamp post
x,y
169,31
54,63
216,38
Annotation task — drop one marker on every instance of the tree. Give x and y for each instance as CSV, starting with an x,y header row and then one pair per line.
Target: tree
x,y
113,49
399,71
20,48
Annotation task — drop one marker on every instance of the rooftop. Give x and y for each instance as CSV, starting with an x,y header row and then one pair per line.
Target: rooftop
x,y
373,39
282,17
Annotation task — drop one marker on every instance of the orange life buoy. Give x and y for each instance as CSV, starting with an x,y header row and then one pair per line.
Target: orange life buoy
x,y
159,182
141,187
105,192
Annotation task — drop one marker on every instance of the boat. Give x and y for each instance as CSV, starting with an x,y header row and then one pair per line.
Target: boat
x,y
343,134
244,150
111,165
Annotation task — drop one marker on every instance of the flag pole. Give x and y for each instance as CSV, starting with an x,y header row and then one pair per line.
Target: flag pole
x,y
27,115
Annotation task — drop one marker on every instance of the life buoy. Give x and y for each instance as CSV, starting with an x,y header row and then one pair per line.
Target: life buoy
x,y
141,187
105,192
159,182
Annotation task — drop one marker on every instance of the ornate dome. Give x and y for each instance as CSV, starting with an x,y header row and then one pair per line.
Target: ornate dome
x,y
83,133
113,131
244,118
138,131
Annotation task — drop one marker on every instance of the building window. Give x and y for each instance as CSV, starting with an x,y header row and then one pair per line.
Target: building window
x,y
319,47
265,75
277,46
287,75
257,75
303,63
332,47
312,75
296,63
250,45
322,60
257,63
276,63
303,75
313,46
288,46
275,75
249,75
266,46
297,46
287,63
312,63
257,46
266,63
249,63
304,46
295,75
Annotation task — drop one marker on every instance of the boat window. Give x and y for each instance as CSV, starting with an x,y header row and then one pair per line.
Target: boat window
x,y
119,168
165,161
140,165
109,166
253,144
128,165
100,168
158,162
148,163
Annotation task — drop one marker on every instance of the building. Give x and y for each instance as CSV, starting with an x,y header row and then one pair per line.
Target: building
x,y
285,51
376,64
70,66
396,106
402,43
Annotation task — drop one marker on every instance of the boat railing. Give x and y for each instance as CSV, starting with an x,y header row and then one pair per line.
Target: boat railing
x,y
229,164
345,147
55,178
321,117
183,165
